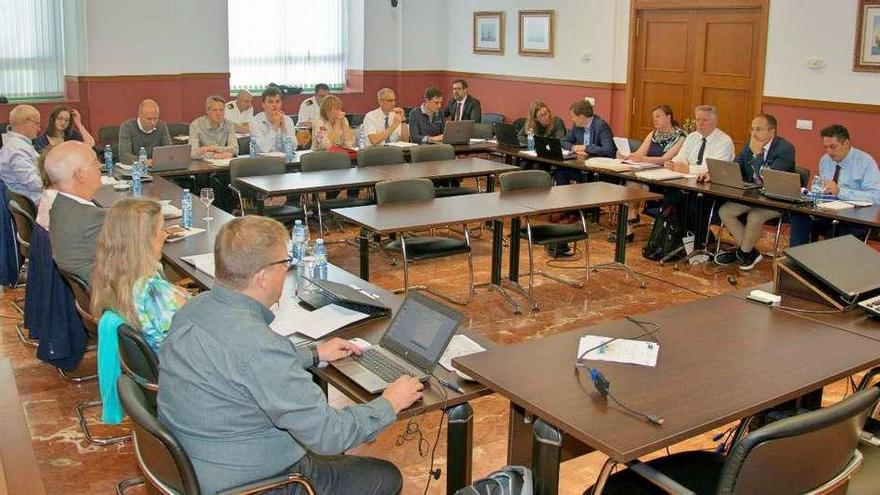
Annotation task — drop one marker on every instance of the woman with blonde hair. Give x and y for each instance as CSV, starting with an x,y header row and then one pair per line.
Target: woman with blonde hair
x,y
331,128
542,122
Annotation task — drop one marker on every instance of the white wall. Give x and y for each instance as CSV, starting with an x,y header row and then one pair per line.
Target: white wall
x,y
411,36
800,30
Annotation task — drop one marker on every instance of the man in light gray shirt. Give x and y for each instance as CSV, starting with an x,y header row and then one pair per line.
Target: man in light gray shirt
x,y
239,397
145,130
212,135
18,158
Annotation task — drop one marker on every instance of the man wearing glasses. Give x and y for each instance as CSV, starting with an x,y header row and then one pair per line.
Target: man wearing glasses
x,y
239,397
386,124
18,158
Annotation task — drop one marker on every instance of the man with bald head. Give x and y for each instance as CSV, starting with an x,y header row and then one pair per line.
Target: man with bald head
x,y
18,159
145,130
73,170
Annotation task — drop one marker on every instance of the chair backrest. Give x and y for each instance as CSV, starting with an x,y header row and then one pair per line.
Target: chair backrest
x,y
26,203
396,191
244,146
380,155
634,144
324,160
160,456
24,227
482,130
431,152
253,167
519,123
354,119
178,129
525,179
108,135
138,358
83,298
492,117
800,453
805,175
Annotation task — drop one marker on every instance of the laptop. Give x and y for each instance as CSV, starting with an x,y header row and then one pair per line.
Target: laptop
x,y
782,186
551,149
728,174
174,157
507,136
847,265
412,345
458,132
348,296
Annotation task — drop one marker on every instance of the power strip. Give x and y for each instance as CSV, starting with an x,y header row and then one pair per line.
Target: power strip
x,y
764,297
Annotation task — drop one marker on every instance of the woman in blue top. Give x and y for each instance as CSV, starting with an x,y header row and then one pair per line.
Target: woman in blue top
x,y
127,277
64,125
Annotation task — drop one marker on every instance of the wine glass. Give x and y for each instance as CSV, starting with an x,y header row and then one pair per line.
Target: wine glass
x,y
207,197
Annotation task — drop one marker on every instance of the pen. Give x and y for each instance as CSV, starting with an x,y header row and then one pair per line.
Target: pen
x,y
451,386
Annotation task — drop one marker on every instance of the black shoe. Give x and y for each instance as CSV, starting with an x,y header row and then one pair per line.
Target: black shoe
x,y
750,259
728,257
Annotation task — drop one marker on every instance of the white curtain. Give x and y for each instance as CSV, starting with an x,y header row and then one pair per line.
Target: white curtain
x,y
31,55
292,42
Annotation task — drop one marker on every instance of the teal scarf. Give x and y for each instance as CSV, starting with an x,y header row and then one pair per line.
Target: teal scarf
x,y
109,366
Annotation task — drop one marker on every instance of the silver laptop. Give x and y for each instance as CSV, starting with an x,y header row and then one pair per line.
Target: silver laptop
x,y
413,343
174,157
784,186
458,132
726,173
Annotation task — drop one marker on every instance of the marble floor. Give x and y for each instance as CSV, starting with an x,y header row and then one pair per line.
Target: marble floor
x,y
71,466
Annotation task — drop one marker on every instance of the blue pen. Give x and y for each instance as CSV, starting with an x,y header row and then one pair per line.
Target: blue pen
x,y
451,386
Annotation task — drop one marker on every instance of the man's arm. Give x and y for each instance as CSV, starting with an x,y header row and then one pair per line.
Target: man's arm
x,y
232,141
570,139
126,154
25,172
476,110
785,157
870,190
604,142
374,133
263,134
194,141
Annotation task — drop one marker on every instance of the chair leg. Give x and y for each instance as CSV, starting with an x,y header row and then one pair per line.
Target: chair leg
x,y
426,288
77,379
25,340
405,264
718,237
84,426
776,240
127,483
531,255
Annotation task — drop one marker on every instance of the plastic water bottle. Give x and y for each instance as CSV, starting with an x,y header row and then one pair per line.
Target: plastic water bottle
x,y
289,149
361,138
816,189
142,160
530,140
186,204
298,240
253,148
320,260
136,180
108,159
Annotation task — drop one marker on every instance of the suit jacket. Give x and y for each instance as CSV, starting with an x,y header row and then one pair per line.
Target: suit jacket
x,y
780,156
601,138
471,111
74,228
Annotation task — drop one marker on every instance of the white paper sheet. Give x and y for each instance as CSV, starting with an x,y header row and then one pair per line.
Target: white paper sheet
x,y
401,144
292,318
622,144
219,162
460,345
641,352
202,262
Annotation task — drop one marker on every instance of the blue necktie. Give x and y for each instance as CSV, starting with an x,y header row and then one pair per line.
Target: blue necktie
x,y
387,139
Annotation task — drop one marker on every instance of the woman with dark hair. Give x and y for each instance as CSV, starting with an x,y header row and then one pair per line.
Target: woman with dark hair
x,y
64,125
661,144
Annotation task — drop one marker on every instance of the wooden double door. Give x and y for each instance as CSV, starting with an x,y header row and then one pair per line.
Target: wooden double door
x,y
688,57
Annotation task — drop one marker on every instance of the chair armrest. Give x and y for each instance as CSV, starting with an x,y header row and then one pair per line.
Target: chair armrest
x,y
659,479
272,483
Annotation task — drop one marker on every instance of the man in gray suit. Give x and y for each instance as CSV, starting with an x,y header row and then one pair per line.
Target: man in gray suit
x,y
74,171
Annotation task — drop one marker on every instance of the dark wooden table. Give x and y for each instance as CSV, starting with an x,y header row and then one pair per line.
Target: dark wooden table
x,y
721,359
445,169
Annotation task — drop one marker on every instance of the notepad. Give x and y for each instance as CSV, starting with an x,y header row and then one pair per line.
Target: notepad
x,y
627,351
835,205
292,318
608,164
202,262
219,162
662,174
460,345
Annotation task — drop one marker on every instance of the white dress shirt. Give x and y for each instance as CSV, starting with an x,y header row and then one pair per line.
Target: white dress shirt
x,y
309,110
718,146
374,123
237,116
268,138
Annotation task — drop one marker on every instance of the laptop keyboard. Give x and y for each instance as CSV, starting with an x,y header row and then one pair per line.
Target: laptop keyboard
x,y
386,368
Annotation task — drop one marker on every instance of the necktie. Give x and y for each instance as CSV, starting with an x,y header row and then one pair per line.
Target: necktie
x,y
588,136
757,162
700,153
458,111
836,173
387,139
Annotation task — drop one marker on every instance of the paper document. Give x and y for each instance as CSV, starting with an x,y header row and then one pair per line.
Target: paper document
x,y
460,345
859,204
622,144
640,352
123,166
642,165
219,162
662,174
107,180
202,262
835,205
293,318
276,154
529,152
477,141
608,164
401,144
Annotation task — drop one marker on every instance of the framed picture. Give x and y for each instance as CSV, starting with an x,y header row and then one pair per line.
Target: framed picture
x,y
489,32
867,53
536,32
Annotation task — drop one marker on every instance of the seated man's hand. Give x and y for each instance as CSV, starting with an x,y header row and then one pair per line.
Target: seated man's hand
x,y
221,154
436,139
832,187
704,176
337,348
403,393
579,149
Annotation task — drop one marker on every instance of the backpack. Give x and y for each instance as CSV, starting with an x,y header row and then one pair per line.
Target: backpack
x,y
665,240
509,480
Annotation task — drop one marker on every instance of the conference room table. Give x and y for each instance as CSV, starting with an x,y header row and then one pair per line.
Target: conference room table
x,y
721,359
456,406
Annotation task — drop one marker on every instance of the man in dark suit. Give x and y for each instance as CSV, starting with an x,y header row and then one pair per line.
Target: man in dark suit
x,y
590,135
462,106
765,149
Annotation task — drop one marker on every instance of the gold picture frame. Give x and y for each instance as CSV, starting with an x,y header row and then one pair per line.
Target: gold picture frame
x,y
867,48
537,32
489,32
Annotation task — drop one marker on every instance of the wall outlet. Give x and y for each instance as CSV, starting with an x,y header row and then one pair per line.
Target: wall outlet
x,y
815,64
591,100
804,125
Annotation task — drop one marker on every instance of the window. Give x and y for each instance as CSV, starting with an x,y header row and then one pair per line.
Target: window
x,y
291,42
31,55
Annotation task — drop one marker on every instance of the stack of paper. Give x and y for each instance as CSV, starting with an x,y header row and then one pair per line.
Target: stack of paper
x,y
202,262
608,164
401,144
661,174
220,162
292,318
835,205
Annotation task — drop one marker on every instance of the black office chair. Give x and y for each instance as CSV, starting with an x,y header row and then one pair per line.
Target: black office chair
x,y
164,463
24,226
380,155
634,144
491,117
547,234
109,135
178,129
354,119
423,247
330,160
483,131
436,152
810,453
244,146
867,478
519,123
254,167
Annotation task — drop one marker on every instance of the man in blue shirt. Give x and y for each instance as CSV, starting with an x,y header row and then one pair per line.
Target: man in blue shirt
x,y
18,159
426,121
590,135
850,174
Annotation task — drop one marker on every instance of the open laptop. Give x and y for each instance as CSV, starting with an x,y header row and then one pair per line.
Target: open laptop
x,y
846,264
174,157
458,132
782,186
348,296
506,135
551,149
412,345
728,174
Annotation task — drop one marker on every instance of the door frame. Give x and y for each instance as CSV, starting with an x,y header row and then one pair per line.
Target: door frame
x,y
639,6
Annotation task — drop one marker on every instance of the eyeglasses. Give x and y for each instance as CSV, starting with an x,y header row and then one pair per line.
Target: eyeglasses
x,y
285,261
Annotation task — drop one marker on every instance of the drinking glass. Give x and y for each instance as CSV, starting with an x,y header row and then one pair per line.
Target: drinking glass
x,y
207,196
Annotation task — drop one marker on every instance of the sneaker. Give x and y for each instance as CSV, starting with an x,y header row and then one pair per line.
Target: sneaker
x,y
750,260
727,257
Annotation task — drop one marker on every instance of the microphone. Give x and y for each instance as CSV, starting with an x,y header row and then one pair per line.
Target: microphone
x,y
603,386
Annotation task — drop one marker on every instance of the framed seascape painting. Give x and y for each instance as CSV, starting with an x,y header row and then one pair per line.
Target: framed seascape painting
x,y
536,32
867,52
489,32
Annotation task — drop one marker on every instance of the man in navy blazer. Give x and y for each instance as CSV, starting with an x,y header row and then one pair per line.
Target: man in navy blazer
x,y
764,150
590,135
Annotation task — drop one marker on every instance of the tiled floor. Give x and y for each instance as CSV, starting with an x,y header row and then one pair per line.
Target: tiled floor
x,y
69,465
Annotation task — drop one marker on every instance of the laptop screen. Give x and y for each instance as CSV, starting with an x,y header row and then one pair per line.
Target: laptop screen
x,y
421,330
